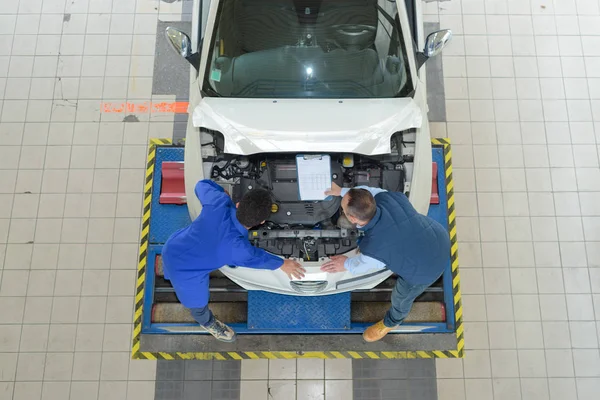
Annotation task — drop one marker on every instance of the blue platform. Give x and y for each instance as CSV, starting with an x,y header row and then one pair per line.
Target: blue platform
x,y
165,218
268,312
277,311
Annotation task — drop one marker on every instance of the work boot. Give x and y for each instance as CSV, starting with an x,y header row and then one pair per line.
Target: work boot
x,y
220,331
376,332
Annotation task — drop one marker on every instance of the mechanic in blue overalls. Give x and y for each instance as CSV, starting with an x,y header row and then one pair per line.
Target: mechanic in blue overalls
x,y
396,237
218,237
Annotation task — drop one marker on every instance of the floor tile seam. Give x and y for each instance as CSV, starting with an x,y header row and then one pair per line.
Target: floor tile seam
x,y
26,286
555,213
60,244
480,231
121,146
9,62
6,245
479,216
556,221
579,198
531,228
476,198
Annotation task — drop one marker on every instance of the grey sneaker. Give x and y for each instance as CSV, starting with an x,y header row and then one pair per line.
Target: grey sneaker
x,y
221,331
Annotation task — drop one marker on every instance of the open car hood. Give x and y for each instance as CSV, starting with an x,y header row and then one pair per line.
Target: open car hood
x,y
361,126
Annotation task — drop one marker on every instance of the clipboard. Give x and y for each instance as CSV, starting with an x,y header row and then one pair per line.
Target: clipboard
x,y
314,176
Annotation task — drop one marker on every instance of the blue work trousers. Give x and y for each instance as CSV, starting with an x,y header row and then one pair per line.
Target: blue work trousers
x,y
203,315
403,297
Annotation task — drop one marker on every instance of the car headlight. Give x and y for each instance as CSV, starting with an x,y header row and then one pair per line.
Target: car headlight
x,y
308,286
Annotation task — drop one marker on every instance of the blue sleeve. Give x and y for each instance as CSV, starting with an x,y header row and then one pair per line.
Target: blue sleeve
x,y
373,190
210,194
246,255
361,264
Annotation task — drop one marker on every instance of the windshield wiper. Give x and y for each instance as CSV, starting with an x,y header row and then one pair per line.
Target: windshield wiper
x,y
271,88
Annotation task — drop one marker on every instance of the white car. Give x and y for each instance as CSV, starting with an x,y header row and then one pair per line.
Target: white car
x,y
273,79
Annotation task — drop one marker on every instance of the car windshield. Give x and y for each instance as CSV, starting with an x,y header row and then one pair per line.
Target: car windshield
x,y
307,49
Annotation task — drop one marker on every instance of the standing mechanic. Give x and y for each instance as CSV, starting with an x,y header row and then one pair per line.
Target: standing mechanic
x,y
396,236
218,237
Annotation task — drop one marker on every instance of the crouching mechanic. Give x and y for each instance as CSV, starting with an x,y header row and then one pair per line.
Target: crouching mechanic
x,y
218,237
396,236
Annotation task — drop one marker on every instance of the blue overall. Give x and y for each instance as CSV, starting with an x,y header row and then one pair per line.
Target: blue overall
x,y
214,239
412,245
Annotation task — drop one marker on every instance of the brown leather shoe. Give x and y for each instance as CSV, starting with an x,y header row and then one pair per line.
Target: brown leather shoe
x,y
376,332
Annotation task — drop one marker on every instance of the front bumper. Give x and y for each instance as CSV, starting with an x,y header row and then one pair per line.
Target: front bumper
x,y
278,282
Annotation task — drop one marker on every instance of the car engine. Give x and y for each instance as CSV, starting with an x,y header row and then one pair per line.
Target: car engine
x,y
307,229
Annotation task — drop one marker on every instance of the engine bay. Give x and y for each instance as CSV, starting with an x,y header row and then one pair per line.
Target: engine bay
x,y
306,229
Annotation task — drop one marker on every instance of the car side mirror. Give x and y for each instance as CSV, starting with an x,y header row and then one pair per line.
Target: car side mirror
x,y
182,44
434,44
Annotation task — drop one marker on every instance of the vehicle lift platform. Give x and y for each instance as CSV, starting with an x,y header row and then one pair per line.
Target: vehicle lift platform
x,y
272,325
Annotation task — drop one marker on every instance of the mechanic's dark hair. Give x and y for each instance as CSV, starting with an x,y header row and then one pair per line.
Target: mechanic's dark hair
x,y
254,208
361,204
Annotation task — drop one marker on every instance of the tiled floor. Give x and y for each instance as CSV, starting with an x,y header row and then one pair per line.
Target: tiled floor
x,y
522,88
522,106
70,194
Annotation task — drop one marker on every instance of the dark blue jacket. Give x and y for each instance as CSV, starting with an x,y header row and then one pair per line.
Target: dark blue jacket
x,y
214,239
410,244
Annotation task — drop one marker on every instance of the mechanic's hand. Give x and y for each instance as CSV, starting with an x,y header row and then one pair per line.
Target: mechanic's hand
x,y
293,269
335,264
334,191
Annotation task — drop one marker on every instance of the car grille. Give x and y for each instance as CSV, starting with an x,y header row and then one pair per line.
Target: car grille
x,y
308,286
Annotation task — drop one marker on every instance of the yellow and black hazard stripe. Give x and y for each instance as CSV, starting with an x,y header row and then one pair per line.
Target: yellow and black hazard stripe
x,y
278,355
458,311
249,355
144,238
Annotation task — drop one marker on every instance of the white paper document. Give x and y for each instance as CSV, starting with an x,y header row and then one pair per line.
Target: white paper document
x,y
314,176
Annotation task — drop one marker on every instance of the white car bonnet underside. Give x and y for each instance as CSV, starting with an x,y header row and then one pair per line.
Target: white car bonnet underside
x,y
360,126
